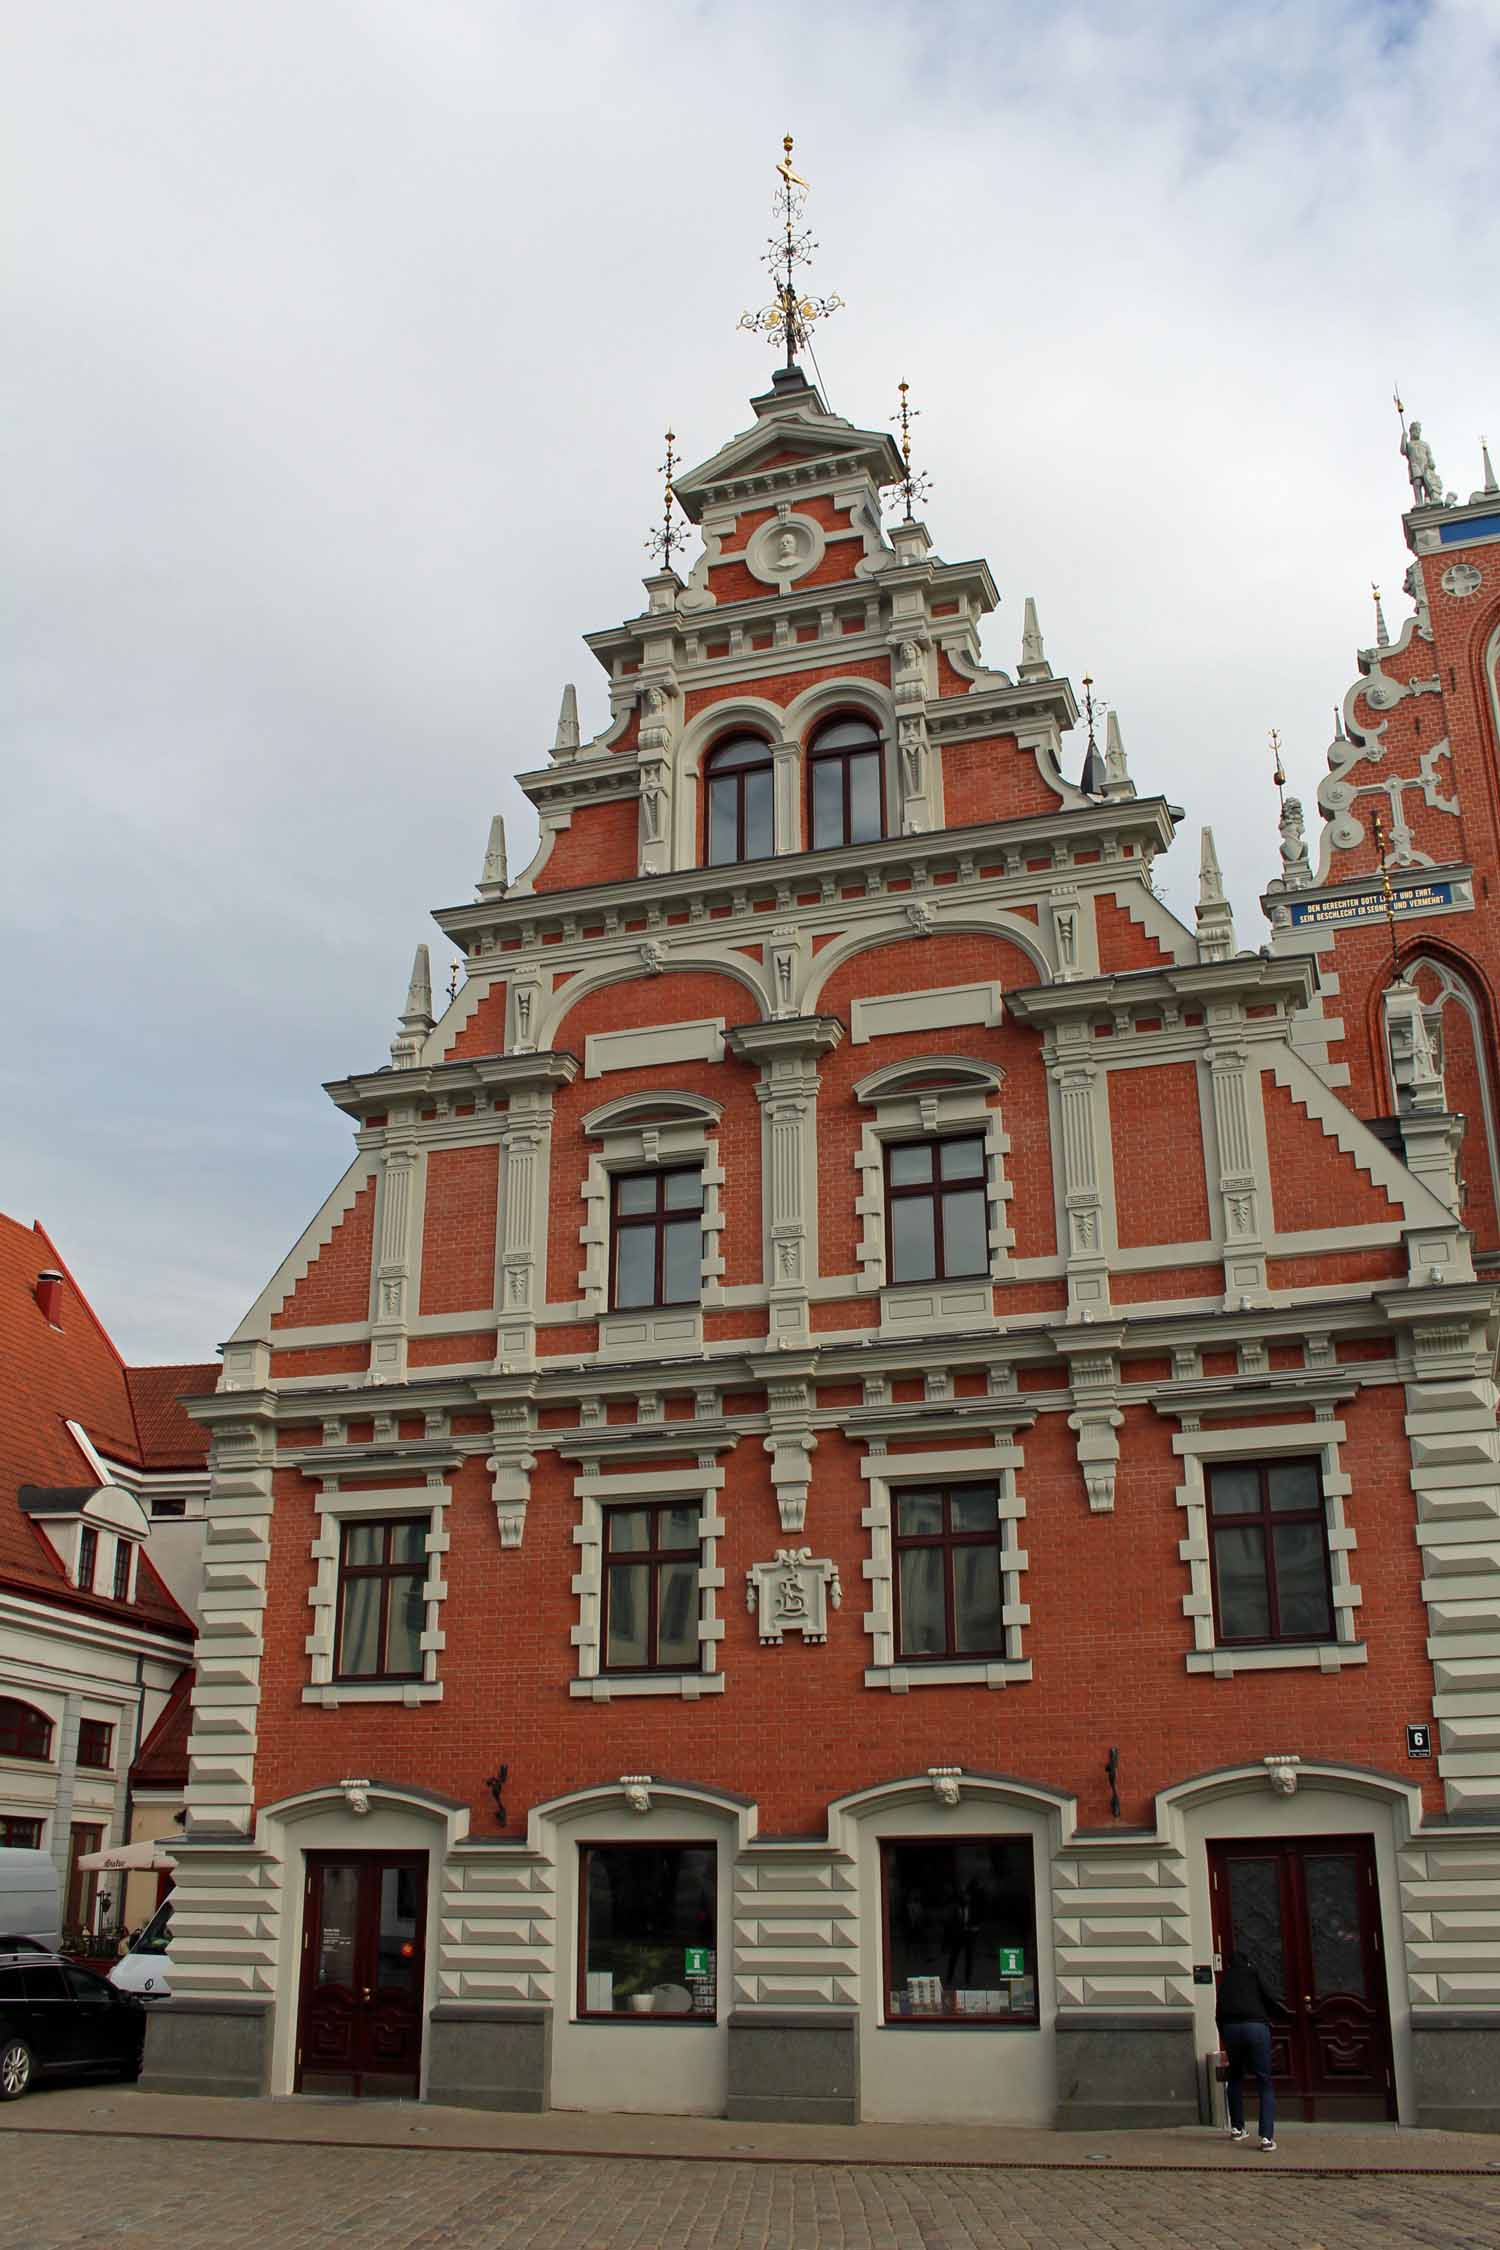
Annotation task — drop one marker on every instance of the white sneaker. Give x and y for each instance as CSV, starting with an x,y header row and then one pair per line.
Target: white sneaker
x,y
1235,2132
1265,2143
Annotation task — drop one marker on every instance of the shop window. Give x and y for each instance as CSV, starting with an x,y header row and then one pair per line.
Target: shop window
x,y
20,1835
946,1541
649,1931
937,1209
382,1607
740,821
960,1931
657,1222
96,1744
25,1732
1268,1528
651,1577
88,1556
845,792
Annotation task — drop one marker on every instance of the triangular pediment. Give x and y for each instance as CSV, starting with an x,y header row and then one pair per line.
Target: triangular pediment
x,y
793,433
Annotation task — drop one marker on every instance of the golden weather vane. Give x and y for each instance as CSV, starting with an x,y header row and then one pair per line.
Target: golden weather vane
x,y
672,533
1279,771
789,320
910,488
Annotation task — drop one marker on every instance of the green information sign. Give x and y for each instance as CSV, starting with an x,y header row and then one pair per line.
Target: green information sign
x,y
1012,1961
695,1961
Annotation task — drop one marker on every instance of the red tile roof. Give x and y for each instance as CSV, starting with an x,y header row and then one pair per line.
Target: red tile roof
x,y
162,1760
50,1376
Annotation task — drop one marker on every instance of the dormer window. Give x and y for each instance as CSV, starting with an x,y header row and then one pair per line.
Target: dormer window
x,y
846,797
740,825
88,1556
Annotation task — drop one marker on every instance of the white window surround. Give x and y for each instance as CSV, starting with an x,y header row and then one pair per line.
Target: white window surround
x,y
642,1133
958,1096
595,1492
884,1472
1321,1437
334,1509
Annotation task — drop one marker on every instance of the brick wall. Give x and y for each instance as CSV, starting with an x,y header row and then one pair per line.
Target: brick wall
x,y
336,1285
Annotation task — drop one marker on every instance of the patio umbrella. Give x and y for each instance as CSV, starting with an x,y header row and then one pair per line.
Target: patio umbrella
x,y
129,1859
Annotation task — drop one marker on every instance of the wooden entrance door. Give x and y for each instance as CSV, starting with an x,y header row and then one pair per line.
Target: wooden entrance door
x,y
1307,1912
364,1919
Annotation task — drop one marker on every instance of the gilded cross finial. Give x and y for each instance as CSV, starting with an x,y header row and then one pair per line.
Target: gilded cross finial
x,y
1094,776
788,322
911,488
1278,774
672,534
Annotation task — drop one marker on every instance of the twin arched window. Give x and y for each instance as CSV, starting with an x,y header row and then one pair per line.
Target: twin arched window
x,y
845,794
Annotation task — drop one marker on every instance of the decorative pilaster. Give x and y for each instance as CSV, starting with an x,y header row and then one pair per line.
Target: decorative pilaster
x,y
513,1420
654,761
1075,1080
791,1442
227,1658
525,1170
1242,1193
1093,1358
787,1050
399,1197
786,796
913,750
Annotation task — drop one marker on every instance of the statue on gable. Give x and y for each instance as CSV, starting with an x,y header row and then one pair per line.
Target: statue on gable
x,y
1426,484
1296,867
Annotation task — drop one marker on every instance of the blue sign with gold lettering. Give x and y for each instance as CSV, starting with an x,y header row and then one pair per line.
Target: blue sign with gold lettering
x,y
1369,906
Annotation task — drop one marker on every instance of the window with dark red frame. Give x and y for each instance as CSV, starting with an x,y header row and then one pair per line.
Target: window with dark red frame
x,y
960,1930
1268,1532
949,1584
845,788
739,821
19,1835
122,1570
88,1553
937,1203
96,1744
25,1732
657,1254
651,1598
649,1931
382,1607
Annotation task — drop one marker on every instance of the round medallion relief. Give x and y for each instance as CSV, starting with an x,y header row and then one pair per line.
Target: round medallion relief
x,y
784,549
1461,579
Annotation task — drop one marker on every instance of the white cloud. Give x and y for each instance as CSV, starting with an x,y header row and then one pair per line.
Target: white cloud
x,y
346,341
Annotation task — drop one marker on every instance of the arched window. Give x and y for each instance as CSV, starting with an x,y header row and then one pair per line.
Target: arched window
x,y
25,1732
845,795
739,801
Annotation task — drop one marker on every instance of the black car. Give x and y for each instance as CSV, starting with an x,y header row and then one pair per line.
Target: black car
x,y
57,2018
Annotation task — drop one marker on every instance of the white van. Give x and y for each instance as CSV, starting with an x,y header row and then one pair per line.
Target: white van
x,y
146,1969
30,1899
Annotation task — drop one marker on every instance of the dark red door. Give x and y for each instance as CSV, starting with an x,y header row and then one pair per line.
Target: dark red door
x,y
1307,1912
363,1923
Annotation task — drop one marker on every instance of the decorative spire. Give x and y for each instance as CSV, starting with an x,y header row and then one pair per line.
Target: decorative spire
x,y
1117,781
1034,665
566,739
1382,637
788,322
496,876
1489,473
673,531
1278,774
911,487
416,1016
1093,778
1215,920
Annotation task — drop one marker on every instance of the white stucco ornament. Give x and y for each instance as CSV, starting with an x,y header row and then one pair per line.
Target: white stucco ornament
x,y
356,1796
1281,1772
637,1788
792,1594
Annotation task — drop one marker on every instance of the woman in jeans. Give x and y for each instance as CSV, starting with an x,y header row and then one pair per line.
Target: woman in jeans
x,y
1244,2011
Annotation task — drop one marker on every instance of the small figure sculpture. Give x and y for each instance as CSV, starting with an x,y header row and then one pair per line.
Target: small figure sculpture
x,y
1296,867
1426,484
786,550
651,796
651,956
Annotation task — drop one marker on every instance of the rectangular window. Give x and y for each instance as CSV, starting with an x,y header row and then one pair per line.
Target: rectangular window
x,y
938,1209
96,1744
949,1587
649,1931
18,1835
382,1605
960,1931
1268,1528
88,1555
122,1570
658,1238
651,1602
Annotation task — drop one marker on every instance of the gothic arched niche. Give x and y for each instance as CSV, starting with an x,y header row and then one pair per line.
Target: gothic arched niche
x,y
1458,1017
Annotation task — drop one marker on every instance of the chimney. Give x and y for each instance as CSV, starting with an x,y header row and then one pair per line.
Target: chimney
x,y
49,1289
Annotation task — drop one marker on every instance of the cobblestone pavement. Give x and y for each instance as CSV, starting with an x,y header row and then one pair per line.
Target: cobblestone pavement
x,y
71,2193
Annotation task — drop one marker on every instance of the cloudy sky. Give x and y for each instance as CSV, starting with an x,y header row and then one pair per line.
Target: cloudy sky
x,y
341,335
